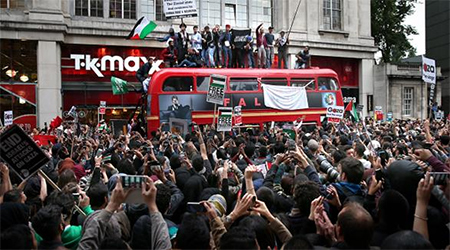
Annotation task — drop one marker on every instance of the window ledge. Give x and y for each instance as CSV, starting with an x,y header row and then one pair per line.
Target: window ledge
x,y
345,33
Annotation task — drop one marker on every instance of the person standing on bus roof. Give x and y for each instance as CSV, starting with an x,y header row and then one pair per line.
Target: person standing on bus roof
x,y
196,40
143,76
270,50
225,41
217,34
282,43
261,44
170,54
248,48
183,42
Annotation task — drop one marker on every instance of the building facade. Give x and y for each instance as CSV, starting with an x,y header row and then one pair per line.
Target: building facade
x,y
437,13
56,54
400,90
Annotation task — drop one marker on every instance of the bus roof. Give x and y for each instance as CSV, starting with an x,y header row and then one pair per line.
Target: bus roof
x,y
239,72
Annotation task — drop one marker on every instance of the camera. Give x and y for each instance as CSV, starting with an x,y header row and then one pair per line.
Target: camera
x,y
326,167
165,143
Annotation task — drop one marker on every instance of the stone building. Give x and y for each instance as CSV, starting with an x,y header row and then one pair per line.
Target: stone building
x,y
42,39
399,89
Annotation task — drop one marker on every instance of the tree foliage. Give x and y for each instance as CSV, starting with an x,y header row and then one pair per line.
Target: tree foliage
x,y
388,30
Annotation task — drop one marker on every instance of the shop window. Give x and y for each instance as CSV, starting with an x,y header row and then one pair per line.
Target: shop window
x,y
178,83
160,11
203,83
302,82
12,4
332,15
18,61
274,81
328,83
408,98
243,84
125,9
92,8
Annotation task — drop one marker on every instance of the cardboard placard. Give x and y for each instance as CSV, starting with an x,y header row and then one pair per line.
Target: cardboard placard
x,y
20,152
225,119
238,115
216,89
335,112
8,117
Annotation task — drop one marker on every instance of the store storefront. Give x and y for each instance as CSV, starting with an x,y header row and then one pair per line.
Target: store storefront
x,y
18,81
348,72
86,73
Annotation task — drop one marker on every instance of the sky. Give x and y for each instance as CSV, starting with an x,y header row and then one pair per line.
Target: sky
x,y
418,21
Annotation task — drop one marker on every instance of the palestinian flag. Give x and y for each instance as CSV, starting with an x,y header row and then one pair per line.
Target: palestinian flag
x,y
119,86
141,29
352,109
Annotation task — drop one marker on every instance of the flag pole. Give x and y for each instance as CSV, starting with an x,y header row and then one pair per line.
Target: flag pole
x,y
50,181
214,116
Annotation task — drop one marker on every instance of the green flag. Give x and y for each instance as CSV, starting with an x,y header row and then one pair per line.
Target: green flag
x,y
119,86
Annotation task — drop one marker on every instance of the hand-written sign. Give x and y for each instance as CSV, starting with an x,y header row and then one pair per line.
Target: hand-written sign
x,y
20,152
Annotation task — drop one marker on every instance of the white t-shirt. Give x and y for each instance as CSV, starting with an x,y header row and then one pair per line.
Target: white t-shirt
x,y
365,163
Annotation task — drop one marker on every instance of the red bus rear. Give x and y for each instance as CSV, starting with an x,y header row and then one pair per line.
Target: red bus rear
x,y
181,93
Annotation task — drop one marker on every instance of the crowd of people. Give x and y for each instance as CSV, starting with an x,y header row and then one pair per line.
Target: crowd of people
x,y
216,48
340,186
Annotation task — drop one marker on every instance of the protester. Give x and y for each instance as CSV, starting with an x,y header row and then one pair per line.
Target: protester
x,y
261,44
226,42
282,43
143,74
270,50
170,54
251,188
208,47
303,59
183,42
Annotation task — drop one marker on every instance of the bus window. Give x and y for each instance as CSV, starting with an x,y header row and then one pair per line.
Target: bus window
x,y
243,84
274,81
327,83
302,82
202,83
178,83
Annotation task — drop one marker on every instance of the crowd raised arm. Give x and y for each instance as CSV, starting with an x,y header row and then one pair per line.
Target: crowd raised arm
x,y
341,186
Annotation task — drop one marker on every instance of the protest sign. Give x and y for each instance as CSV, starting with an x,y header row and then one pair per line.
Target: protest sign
x,y
335,112
8,117
102,110
428,70
20,152
359,108
238,115
224,122
180,8
73,112
216,89
102,103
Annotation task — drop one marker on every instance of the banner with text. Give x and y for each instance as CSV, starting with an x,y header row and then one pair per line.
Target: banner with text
x,y
225,120
8,117
21,153
336,112
238,115
428,70
216,90
180,8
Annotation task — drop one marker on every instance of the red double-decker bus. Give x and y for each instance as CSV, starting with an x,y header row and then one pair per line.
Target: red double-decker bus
x,y
181,93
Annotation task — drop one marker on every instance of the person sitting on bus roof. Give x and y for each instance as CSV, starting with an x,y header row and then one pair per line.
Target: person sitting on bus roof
x,y
170,54
142,74
193,59
303,57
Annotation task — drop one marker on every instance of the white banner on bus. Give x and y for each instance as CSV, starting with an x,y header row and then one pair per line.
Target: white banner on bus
x,y
285,97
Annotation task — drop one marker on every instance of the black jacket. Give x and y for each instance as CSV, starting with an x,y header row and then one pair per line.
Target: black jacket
x,y
142,72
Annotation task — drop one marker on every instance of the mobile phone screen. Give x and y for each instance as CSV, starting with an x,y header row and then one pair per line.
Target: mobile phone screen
x,y
132,181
